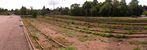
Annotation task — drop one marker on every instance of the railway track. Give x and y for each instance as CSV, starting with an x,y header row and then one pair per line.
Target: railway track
x,y
48,37
114,34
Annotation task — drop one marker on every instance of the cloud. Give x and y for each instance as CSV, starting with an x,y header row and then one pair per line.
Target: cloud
x,y
38,4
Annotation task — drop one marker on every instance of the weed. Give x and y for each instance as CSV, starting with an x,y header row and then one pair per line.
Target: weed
x,y
109,30
138,42
131,31
70,34
84,38
137,48
34,37
145,27
68,48
105,34
120,36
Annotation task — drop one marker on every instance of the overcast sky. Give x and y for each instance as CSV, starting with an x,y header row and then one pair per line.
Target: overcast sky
x,y
38,4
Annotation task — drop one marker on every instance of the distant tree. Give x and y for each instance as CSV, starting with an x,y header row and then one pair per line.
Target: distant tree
x,y
12,10
87,8
34,14
43,11
135,9
106,8
95,2
23,11
65,11
75,10
115,8
123,8
17,12
47,10
144,7
95,8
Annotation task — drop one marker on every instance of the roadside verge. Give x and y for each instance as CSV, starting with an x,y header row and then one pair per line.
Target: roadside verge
x,y
31,45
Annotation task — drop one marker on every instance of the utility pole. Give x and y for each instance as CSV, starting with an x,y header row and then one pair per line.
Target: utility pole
x,y
53,4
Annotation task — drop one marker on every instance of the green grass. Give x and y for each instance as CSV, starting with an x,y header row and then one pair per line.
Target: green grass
x,y
137,48
108,30
130,31
34,37
68,48
104,34
120,36
70,34
138,42
145,27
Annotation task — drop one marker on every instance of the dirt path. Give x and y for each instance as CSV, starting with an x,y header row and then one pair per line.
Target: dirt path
x,y
11,34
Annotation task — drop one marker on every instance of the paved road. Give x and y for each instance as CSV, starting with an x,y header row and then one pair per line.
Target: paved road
x,y
11,34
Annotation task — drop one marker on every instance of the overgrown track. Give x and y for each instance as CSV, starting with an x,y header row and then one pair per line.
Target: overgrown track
x,y
108,20
46,36
30,33
61,22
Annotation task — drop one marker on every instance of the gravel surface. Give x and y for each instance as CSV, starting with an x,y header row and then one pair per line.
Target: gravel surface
x,y
11,34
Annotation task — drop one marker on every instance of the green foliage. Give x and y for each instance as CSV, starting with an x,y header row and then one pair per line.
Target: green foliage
x,y
145,27
23,11
75,10
131,31
68,48
34,37
138,42
34,14
108,8
44,11
144,13
137,48
87,8
135,9
108,30
120,36
105,34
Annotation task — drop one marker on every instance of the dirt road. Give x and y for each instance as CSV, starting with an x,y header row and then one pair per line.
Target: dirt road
x,y
11,34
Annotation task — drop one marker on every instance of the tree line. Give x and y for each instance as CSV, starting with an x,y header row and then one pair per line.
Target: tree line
x,y
108,8
4,11
89,8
